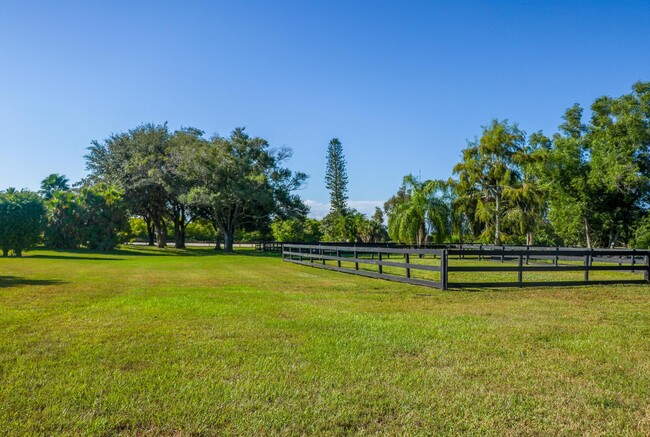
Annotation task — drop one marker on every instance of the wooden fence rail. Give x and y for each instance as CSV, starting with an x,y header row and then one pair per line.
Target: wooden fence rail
x,y
317,256
407,260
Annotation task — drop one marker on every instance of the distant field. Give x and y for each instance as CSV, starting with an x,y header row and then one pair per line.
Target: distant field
x,y
149,341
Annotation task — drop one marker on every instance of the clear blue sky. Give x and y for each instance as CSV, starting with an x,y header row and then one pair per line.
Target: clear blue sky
x,y
402,84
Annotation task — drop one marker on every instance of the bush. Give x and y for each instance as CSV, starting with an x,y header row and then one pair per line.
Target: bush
x,y
65,217
297,230
105,221
642,235
22,219
200,230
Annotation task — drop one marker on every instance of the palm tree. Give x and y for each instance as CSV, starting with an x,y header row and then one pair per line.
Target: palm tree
x,y
53,183
528,206
425,211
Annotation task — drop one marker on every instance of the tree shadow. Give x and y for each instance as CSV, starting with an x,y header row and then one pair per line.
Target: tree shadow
x,y
260,254
15,281
167,251
74,258
144,251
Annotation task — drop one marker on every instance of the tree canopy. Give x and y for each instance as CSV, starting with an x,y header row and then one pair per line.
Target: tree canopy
x,y
239,180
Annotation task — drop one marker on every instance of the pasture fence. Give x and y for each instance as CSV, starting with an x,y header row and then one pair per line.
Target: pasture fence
x,y
431,267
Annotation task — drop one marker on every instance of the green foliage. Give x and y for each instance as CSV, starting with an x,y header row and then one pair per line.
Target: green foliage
x,y
370,230
642,235
352,226
336,178
22,219
143,164
423,210
137,228
597,173
254,236
339,226
94,217
52,184
105,222
65,220
239,180
201,230
489,175
303,230
235,183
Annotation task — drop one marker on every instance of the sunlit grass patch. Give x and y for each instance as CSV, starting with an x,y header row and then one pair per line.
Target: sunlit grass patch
x,y
155,341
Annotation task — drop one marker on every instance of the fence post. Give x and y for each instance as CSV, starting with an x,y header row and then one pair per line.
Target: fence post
x,y
633,259
444,275
322,255
480,248
646,273
503,249
338,258
379,266
527,255
311,255
521,270
587,268
356,264
407,260
557,258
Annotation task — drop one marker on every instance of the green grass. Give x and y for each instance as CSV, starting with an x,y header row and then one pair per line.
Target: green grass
x,y
145,341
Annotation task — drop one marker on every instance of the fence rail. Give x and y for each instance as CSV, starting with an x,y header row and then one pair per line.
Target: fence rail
x,y
373,261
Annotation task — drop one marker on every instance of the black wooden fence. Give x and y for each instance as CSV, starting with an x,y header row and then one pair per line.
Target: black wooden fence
x,y
528,260
268,246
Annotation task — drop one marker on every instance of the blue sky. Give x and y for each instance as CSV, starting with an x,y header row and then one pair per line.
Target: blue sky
x,y
402,84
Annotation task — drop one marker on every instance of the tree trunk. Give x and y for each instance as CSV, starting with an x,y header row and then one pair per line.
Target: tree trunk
x,y
530,238
217,240
181,240
150,232
5,252
422,235
228,240
18,252
497,222
161,234
588,233
179,227
613,240
179,234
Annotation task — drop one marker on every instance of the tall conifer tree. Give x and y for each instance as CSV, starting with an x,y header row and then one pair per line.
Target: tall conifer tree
x,y
336,178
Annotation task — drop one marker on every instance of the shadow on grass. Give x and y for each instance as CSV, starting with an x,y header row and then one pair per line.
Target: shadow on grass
x,y
15,281
146,251
259,254
75,258
190,251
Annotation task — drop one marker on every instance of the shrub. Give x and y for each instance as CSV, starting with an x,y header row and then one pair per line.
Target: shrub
x,y
22,219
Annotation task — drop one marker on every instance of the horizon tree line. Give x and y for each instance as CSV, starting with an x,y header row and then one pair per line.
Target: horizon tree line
x,y
586,185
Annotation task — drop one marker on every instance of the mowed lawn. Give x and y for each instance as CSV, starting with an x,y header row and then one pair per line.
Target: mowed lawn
x,y
146,341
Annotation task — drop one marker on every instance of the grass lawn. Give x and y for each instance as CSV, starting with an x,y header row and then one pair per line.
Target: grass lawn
x,y
147,341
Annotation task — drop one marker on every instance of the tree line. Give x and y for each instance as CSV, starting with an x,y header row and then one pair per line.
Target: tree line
x,y
586,185
157,179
